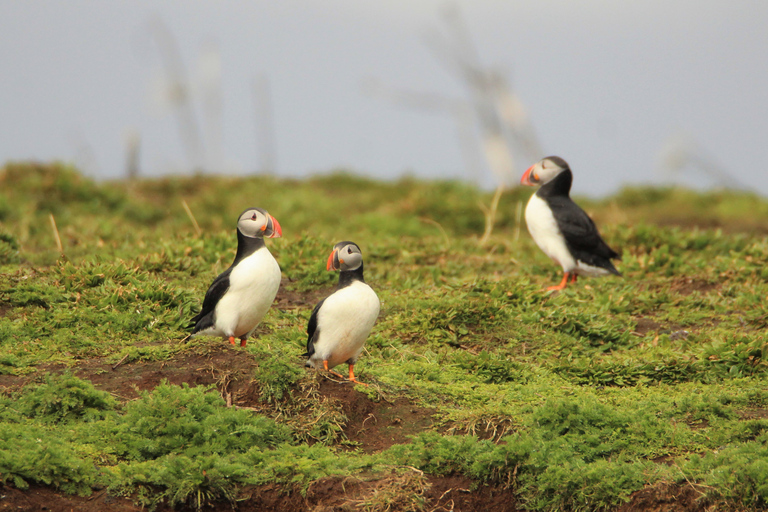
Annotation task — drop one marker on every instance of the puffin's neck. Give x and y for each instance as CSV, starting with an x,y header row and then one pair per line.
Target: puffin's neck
x,y
560,186
347,277
246,246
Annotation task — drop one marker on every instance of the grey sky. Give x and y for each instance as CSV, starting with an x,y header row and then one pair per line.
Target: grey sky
x,y
605,82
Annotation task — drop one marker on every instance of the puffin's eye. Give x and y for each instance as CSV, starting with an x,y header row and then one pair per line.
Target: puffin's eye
x,y
253,217
349,250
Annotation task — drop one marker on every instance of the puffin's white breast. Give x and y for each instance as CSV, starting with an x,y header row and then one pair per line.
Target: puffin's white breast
x,y
544,230
253,284
344,321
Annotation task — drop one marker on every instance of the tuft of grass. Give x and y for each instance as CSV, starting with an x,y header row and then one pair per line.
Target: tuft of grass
x,y
64,398
403,491
192,421
32,453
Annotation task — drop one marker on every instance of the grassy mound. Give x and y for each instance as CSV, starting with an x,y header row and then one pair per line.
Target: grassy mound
x,y
580,400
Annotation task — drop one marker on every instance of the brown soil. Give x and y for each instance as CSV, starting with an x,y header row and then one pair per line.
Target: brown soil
x,y
645,325
754,414
376,426
452,493
666,498
688,285
288,298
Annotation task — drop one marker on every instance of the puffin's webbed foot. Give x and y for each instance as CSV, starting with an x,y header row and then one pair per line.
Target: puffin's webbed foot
x,y
332,372
563,283
352,376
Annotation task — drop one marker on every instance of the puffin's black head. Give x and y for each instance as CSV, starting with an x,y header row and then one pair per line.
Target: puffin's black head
x,y
544,171
257,223
345,256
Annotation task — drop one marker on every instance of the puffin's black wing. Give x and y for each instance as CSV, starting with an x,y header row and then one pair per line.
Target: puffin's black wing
x,y
312,331
581,235
204,319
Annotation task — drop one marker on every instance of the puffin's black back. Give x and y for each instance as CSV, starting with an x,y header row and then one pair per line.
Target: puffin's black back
x,y
580,233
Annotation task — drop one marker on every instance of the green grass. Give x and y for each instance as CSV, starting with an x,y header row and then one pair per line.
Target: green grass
x,y
587,392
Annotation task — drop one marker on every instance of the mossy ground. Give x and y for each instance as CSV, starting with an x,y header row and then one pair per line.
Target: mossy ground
x,y
481,384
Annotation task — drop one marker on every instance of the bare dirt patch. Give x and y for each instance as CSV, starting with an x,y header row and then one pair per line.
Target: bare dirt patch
x,y
647,325
666,498
754,414
689,285
451,493
288,298
332,494
377,425
230,368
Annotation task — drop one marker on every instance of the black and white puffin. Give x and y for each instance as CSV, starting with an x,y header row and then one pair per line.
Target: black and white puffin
x,y
240,296
341,322
560,227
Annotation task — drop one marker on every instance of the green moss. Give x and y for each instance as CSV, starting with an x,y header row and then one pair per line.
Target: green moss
x,y
63,398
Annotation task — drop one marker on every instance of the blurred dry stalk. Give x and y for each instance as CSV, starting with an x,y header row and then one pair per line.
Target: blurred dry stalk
x,y
56,236
186,95
263,118
176,91
493,111
191,217
132,148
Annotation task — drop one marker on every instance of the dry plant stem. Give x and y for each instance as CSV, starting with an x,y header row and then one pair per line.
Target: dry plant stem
x,y
120,362
518,220
191,217
56,234
442,231
490,214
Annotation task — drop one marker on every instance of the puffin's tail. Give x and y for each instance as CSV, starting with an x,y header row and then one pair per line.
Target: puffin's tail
x,y
608,265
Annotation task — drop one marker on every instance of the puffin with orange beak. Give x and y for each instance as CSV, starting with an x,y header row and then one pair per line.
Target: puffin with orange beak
x,y
240,296
560,227
341,322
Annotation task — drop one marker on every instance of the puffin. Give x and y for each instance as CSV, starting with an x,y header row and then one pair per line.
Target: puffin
x,y
341,322
239,297
561,228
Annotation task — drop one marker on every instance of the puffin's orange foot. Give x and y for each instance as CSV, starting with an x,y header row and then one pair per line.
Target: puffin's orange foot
x,y
352,376
243,341
562,284
332,372
232,340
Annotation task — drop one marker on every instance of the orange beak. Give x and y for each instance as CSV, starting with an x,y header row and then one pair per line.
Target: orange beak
x,y
332,261
526,179
277,231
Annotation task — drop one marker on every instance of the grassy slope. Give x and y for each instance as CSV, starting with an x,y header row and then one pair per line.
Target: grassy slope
x,y
580,398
